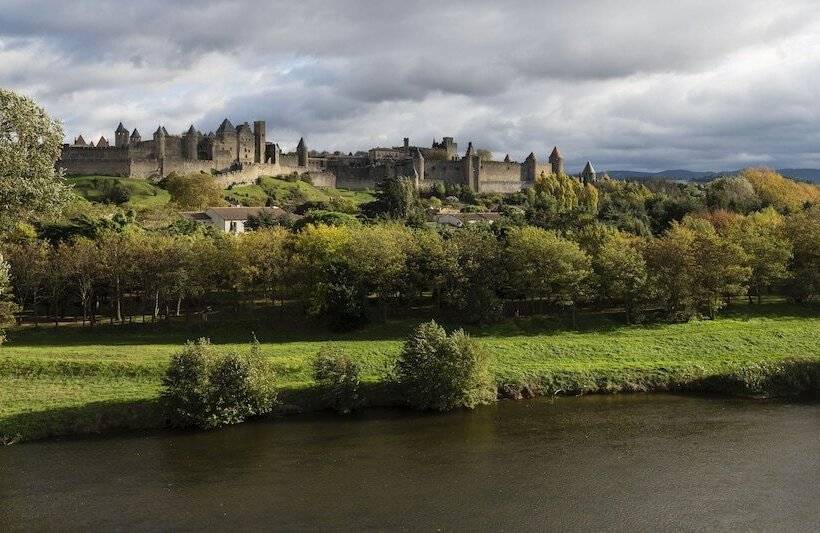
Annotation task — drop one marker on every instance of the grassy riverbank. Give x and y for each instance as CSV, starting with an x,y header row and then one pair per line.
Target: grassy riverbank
x,y
77,380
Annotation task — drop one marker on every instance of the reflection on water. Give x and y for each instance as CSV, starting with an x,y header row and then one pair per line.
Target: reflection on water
x,y
615,463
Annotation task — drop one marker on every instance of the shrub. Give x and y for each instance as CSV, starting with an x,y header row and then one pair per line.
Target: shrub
x,y
441,372
208,389
338,376
115,193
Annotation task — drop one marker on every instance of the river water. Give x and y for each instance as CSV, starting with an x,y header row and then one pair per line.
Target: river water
x,y
633,462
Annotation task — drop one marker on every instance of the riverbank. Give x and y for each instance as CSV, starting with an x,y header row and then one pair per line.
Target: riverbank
x,y
71,380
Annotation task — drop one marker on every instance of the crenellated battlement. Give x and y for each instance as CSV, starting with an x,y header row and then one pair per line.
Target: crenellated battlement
x,y
241,153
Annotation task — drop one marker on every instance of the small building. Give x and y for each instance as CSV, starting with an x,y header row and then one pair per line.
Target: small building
x,y
234,219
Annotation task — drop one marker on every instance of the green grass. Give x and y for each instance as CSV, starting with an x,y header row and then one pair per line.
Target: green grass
x,y
144,195
286,191
63,371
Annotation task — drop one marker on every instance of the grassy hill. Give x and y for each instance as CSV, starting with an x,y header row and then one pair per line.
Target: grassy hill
x,y
283,191
142,193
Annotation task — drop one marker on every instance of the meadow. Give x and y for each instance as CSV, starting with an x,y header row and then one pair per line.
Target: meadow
x,y
72,379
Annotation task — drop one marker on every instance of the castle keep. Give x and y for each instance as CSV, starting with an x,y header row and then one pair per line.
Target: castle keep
x,y
239,154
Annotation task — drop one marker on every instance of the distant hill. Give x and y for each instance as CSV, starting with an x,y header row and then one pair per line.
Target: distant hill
x,y
805,174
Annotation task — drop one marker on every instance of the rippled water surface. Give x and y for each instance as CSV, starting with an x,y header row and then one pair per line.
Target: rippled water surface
x,y
641,462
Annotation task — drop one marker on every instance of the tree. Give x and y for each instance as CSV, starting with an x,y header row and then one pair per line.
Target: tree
x,y
543,265
473,274
803,230
30,144
623,204
734,192
7,305
557,201
80,259
378,254
264,262
194,191
763,237
621,271
396,197
118,265
29,265
719,266
785,195
670,265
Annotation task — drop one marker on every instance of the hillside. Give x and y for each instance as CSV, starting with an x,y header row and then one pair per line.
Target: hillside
x,y
289,192
140,194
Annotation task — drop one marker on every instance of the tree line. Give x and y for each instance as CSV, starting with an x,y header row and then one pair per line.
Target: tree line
x,y
348,274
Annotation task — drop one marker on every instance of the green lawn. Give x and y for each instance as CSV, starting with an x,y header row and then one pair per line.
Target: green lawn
x,y
51,370
144,195
291,192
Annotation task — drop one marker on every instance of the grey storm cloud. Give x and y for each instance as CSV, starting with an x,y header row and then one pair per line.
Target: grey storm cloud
x,y
643,84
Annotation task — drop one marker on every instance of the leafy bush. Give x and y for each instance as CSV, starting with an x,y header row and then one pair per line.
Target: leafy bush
x,y
338,376
441,372
208,389
115,193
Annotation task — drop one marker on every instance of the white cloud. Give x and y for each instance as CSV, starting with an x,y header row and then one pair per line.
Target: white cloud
x,y
647,85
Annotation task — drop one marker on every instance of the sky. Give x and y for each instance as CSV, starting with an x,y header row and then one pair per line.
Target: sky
x,y
638,85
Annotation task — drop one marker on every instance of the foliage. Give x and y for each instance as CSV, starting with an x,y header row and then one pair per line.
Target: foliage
x,y
267,219
719,266
443,372
338,376
544,265
396,198
327,218
194,191
30,144
205,388
472,274
803,231
621,272
7,305
785,195
735,193
623,205
557,201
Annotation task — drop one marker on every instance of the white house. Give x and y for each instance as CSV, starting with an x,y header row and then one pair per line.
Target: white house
x,y
233,219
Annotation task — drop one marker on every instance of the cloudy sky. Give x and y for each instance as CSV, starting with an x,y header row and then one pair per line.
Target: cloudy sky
x,y
642,85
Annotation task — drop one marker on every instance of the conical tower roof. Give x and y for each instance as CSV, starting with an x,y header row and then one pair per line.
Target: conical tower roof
x,y
79,141
588,170
225,126
135,134
531,157
121,129
507,158
301,145
191,130
555,155
103,142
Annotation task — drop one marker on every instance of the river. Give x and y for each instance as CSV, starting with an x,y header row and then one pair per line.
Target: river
x,y
631,462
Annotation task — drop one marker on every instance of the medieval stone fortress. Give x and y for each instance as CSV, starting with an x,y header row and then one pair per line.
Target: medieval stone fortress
x,y
241,154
